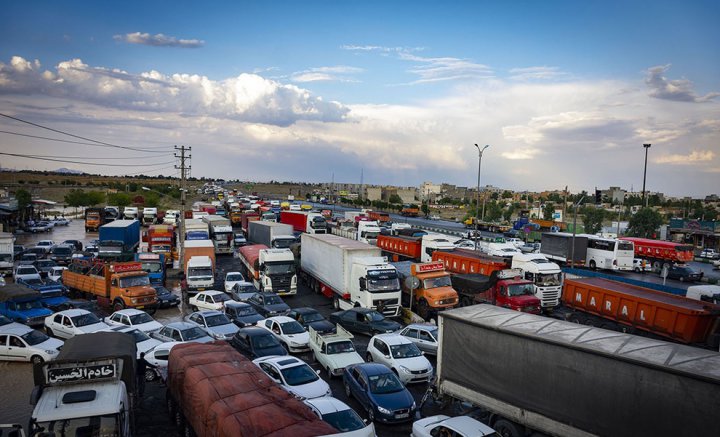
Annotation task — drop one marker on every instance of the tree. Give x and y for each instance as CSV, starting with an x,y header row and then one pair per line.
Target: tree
x,y
75,198
394,198
507,214
592,219
120,199
24,199
152,200
93,198
644,223
548,211
493,212
425,209
507,194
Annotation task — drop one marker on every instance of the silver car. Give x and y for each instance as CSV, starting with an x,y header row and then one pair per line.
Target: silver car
x,y
182,332
424,335
215,323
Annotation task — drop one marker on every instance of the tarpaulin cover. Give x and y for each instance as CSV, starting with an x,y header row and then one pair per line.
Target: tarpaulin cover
x,y
223,394
17,292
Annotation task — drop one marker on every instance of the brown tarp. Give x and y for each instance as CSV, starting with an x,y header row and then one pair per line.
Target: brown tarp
x,y
223,394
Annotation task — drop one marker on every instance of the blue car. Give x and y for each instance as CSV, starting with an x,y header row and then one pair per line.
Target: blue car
x,y
380,392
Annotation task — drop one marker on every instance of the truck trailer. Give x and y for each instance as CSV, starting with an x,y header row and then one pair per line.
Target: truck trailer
x,y
350,272
196,229
304,221
469,261
530,373
221,233
271,234
119,240
417,249
199,266
659,253
558,246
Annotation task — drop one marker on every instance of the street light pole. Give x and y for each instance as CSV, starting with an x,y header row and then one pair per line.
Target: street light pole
x,y
477,202
646,146
572,247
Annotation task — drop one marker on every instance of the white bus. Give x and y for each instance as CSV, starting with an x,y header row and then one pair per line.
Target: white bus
x,y
609,254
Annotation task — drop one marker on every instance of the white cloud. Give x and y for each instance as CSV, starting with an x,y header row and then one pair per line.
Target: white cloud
x,y
159,40
338,73
694,157
536,73
384,49
680,90
447,68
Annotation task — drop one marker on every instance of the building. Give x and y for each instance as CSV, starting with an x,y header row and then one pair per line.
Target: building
x,y
429,191
373,193
699,233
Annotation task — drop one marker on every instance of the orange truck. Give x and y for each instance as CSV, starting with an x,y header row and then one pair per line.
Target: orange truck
x,y
624,307
161,239
115,284
378,216
469,261
410,210
94,218
430,291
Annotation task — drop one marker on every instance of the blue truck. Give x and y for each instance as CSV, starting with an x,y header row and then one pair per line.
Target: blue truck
x,y
154,265
119,240
23,305
54,294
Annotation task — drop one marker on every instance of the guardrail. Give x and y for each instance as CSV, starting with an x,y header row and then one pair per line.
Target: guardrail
x,y
650,285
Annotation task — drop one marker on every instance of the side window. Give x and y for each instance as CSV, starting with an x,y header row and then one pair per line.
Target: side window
x,y
502,292
176,335
360,317
362,382
67,321
125,320
58,319
16,342
528,276
276,328
412,333
378,344
3,340
268,324
356,374
114,282
209,299
424,335
162,355
115,317
201,298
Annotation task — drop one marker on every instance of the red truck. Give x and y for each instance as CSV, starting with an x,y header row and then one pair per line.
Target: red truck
x,y
469,261
659,252
305,221
623,307
246,217
503,288
161,239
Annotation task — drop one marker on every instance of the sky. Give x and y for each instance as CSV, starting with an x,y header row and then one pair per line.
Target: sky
x,y
565,93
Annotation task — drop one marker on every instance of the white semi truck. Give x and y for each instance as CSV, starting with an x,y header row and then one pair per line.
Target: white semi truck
x,y
545,275
364,231
269,269
149,216
352,273
221,233
7,252
130,213
273,235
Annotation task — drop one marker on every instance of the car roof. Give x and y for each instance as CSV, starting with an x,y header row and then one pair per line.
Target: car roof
x,y
468,426
233,273
73,312
236,304
281,361
129,311
180,325
393,339
326,405
266,293
281,319
305,310
212,292
423,326
254,331
206,313
371,369
15,328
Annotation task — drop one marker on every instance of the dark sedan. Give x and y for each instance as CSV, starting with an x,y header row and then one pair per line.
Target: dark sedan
x,y
268,304
254,342
44,266
683,272
365,321
380,392
308,317
165,297
241,313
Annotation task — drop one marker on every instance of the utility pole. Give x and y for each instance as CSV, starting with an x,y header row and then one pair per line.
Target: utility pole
x,y
183,156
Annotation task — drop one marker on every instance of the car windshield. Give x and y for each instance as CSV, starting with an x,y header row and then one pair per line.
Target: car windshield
x,y
217,320
298,375
292,328
193,334
340,347
33,281
264,341
312,317
140,318
34,337
344,421
520,290
442,281
161,291
134,281
625,245
62,250
385,383
272,300
152,266
405,350
249,311
139,336
85,320
234,277
29,305
221,297
280,268
247,288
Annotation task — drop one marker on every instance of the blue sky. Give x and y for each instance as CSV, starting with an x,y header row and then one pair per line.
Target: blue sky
x,y
565,92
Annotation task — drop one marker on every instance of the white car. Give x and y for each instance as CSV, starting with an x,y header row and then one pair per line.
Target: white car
x,y
295,207
55,273
288,331
209,300
22,343
47,244
69,323
518,243
158,357
232,278
441,425
334,351
143,342
464,244
215,323
134,318
295,376
26,272
341,417
401,355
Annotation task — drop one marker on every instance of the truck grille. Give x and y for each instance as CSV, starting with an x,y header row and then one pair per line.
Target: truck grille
x,y
281,282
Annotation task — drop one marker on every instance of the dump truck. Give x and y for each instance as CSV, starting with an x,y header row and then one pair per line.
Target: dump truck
x,y
114,284
89,389
528,373
469,261
119,240
624,307
214,391
427,287
350,272
505,288
304,221
658,253
94,218
417,249
271,234
545,275
269,269
410,210
558,246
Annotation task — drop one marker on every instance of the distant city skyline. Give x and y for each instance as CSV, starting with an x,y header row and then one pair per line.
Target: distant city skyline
x,y
565,93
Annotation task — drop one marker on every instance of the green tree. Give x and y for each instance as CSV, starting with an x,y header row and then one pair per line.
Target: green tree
x,y
75,198
24,199
507,214
548,211
592,219
425,209
152,200
394,198
94,198
644,223
493,212
120,199
507,194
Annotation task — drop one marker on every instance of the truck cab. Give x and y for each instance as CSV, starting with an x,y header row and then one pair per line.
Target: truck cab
x,y
154,265
504,288
368,231
431,243
149,216
130,213
705,293
277,271
545,275
378,286
268,216
200,274
428,286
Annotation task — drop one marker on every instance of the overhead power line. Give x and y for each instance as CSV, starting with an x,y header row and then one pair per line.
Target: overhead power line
x,y
99,143
84,163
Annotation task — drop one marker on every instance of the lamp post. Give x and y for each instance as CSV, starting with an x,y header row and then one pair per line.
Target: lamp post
x,y
572,247
477,203
646,146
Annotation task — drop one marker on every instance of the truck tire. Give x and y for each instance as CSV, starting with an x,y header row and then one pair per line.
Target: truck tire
x,y
593,266
150,375
465,301
507,428
336,302
423,309
329,373
118,305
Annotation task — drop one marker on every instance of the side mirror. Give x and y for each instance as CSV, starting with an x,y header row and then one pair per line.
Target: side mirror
x,y
318,372
387,356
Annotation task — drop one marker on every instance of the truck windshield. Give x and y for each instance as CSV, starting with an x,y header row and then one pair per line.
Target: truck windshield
x,y
91,426
34,337
85,320
340,347
160,248
6,257
382,280
318,223
442,281
408,350
135,281
279,269
547,279
201,273
152,266
520,290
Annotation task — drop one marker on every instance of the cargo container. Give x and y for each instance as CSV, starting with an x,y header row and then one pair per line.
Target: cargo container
x,y
469,261
271,234
119,240
213,391
658,253
504,288
411,210
378,216
558,246
417,249
196,229
245,218
304,221
529,373
350,272
199,266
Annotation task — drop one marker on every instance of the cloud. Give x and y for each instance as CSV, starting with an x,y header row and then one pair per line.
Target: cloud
x,y
338,73
384,49
443,69
679,90
533,73
159,40
575,126
694,157
247,97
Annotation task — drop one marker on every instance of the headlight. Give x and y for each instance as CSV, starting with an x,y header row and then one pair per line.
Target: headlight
x,y
50,352
292,343
383,410
133,300
413,406
298,397
217,335
404,369
328,392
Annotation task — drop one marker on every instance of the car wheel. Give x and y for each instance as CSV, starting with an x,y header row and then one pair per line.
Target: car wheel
x,y
329,373
371,415
193,308
36,359
50,332
593,266
348,393
682,278
506,428
369,358
150,375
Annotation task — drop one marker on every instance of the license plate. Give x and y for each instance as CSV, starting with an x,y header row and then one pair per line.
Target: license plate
x,y
402,416
201,289
140,307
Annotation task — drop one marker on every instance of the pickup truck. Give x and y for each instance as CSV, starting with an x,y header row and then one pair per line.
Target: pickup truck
x,y
54,294
22,304
334,351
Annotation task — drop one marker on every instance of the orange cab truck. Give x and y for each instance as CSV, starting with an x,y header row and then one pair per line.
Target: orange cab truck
x,y
116,284
161,239
410,210
431,290
94,218
380,217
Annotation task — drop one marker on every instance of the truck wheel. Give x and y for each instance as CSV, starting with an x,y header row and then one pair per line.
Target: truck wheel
x,y
150,375
506,428
423,309
36,359
336,302
593,266
465,301
118,305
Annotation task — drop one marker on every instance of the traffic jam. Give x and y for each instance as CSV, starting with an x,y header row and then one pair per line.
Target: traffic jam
x,y
251,316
